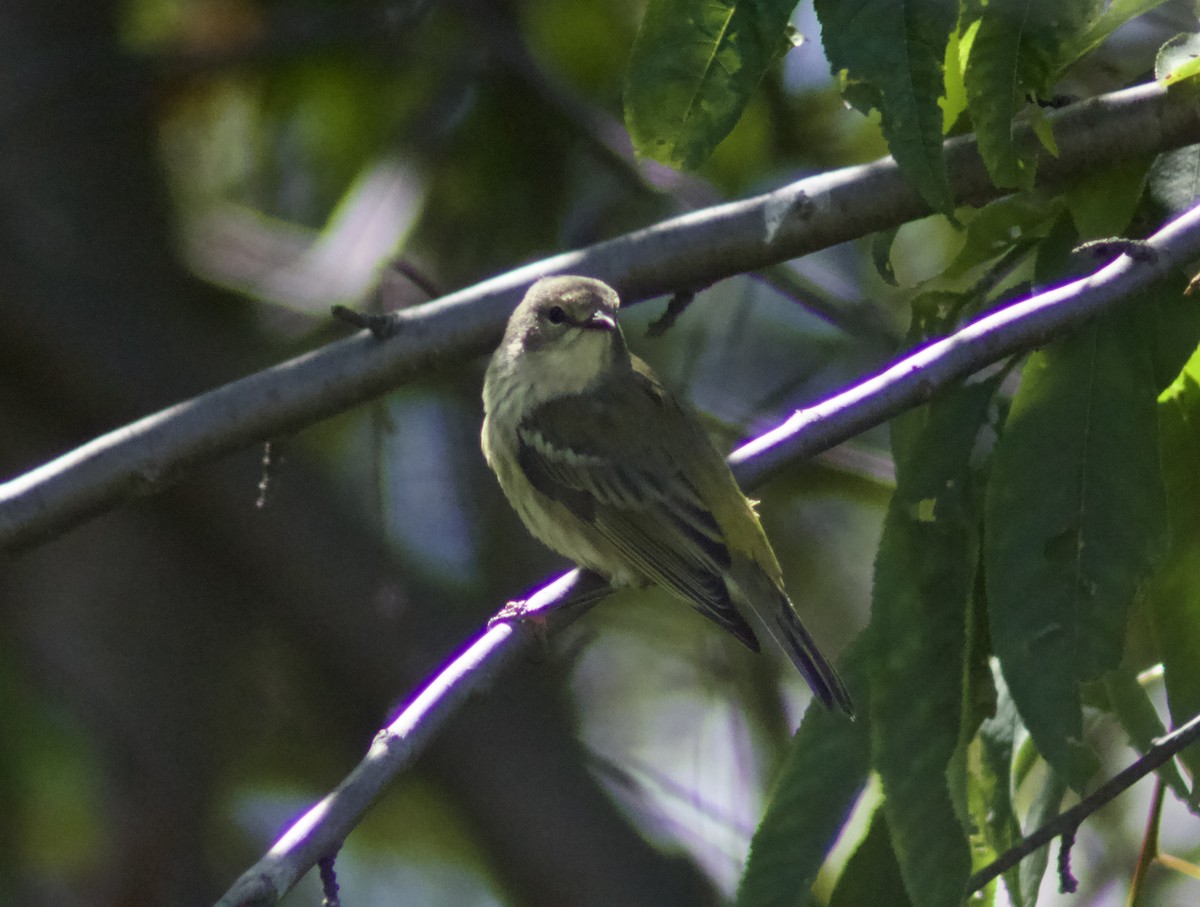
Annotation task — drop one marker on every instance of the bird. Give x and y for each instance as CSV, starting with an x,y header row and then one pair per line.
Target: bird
x,y
609,469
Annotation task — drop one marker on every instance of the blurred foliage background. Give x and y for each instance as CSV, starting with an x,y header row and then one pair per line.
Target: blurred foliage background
x,y
186,186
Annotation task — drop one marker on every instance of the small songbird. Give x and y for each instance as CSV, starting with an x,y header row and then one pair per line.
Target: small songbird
x,y
606,467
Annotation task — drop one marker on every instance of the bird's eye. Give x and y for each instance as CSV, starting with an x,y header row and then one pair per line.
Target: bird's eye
x,y
556,315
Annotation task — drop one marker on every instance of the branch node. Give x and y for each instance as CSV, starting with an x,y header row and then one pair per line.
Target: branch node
x,y
519,612
381,326
1137,249
512,612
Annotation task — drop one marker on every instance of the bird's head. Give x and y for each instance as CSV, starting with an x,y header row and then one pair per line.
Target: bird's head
x,y
564,334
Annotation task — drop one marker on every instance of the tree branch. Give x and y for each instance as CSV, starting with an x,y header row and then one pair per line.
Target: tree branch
x,y
1016,328
319,832
677,254
1066,823
1019,327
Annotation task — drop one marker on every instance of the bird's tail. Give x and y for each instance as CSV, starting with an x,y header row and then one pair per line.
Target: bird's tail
x,y
778,617
793,637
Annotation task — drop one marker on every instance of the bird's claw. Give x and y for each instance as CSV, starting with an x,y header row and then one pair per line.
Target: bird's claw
x,y
518,611
512,611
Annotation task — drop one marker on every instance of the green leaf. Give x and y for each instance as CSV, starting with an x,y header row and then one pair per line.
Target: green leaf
x,y
1177,329
978,786
1116,14
1015,54
820,780
971,782
1138,716
1178,59
1103,199
871,875
1175,179
954,102
998,225
692,70
881,254
999,825
1044,808
1075,510
1174,595
978,705
892,56
924,575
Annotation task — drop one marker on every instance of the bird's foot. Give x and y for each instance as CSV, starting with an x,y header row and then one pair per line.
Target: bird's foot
x,y
518,612
512,611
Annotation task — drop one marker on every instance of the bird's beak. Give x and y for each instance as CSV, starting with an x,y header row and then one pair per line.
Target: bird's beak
x,y
599,321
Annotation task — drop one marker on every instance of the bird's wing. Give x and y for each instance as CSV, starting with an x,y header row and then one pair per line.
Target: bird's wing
x,y
604,456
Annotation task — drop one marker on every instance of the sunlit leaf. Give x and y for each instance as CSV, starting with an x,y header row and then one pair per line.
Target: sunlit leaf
x,y
871,875
995,227
1178,60
954,102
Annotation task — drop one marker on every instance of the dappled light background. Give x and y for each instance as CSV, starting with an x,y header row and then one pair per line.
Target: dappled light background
x,y
186,187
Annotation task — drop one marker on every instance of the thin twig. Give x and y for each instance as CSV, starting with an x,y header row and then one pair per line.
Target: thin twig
x,y
1149,851
1066,823
292,31
677,305
326,866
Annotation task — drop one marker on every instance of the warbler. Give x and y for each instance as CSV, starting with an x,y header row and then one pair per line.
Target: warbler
x,y
606,467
